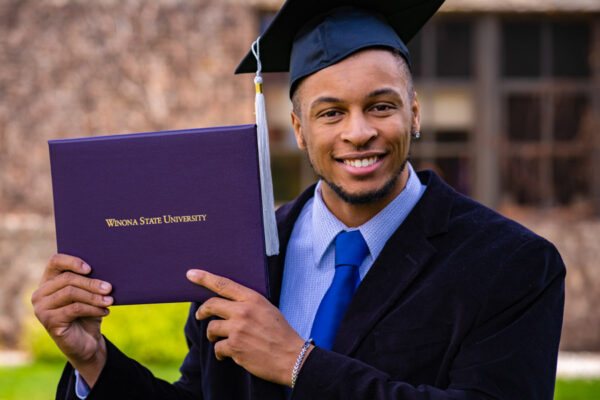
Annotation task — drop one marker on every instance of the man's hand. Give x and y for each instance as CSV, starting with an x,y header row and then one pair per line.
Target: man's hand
x,y
71,307
252,331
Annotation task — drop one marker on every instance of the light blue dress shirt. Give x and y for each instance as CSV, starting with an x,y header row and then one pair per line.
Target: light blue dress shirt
x,y
309,261
82,390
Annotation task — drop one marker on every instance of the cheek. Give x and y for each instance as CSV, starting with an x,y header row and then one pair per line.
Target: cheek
x,y
315,152
405,146
399,138
319,150
316,141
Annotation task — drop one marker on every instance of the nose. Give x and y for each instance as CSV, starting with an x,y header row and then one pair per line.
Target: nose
x,y
358,131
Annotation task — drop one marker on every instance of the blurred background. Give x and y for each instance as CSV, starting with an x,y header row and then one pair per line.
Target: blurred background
x,y
510,96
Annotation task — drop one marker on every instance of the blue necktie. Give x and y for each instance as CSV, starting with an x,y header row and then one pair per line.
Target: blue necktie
x,y
350,251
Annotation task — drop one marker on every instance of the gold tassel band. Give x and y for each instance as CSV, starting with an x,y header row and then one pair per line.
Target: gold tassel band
x,y
258,87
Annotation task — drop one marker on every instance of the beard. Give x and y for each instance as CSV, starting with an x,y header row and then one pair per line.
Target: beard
x,y
366,197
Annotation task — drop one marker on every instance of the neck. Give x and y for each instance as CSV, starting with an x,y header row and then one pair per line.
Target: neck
x,y
354,215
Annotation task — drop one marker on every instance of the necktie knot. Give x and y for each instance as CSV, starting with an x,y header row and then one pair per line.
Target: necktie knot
x,y
350,249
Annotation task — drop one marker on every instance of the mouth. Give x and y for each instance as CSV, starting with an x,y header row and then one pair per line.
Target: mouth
x,y
361,162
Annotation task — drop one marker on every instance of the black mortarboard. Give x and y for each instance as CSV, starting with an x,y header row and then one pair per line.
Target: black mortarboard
x,y
308,35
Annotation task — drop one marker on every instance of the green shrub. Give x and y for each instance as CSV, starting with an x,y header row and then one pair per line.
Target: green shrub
x,y
148,333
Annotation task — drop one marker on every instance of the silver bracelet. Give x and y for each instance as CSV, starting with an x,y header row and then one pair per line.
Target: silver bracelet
x,y
299,361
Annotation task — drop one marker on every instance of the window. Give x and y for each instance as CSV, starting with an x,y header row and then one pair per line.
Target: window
x,y
444,49
443,68
521,53
521,180
453,49
524,118
534,49
447,153
569,113
416,58
546,155
570,49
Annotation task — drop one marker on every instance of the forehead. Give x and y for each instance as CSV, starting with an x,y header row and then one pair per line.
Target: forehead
x,y
365,70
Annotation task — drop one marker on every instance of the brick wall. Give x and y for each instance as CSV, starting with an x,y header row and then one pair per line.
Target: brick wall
x,y
78,68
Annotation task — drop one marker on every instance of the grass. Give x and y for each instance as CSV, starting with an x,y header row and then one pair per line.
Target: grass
x,y
38,382
577,389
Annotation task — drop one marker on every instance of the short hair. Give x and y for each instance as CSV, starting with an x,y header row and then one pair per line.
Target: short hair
x,y
402,65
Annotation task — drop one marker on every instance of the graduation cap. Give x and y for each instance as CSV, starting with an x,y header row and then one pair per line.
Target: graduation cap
x,y
308,35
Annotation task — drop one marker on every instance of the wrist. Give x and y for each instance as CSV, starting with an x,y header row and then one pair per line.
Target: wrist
x,y
310,348
90,368
302,356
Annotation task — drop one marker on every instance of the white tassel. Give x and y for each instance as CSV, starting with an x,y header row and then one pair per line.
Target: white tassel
x,y
264,162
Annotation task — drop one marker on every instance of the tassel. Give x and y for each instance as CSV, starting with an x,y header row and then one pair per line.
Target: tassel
x,y
264,161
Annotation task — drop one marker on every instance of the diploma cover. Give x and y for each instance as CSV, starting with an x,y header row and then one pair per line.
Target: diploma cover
x,y
141,209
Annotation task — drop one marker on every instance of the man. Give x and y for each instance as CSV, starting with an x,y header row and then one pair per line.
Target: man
x,y
409,290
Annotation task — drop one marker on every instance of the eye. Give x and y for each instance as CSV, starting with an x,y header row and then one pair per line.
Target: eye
x,y
330,114
382,108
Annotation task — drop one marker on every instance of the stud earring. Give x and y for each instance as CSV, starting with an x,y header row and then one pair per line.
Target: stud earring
x,y
416,134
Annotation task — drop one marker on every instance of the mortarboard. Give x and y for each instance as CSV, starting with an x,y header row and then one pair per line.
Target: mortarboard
x,y
308,35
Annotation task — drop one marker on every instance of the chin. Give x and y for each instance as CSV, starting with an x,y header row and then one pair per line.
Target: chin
x,y
366,197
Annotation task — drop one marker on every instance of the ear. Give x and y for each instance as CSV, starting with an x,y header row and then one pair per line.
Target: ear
x,y
298,131
416,113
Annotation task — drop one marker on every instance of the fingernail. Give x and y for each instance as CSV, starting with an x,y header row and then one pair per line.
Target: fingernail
x,y
86,268
193,273
106,311
107,299
105,286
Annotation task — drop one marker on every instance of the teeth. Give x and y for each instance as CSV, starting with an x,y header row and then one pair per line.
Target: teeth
x,y
361,163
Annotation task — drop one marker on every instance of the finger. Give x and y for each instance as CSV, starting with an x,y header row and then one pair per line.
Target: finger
x,y
70,279
217,329
59,263
222,350
220,285
216,306
55,319
81,310
73,294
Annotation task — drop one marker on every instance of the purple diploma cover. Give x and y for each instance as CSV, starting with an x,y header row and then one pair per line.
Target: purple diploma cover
x,y
144,208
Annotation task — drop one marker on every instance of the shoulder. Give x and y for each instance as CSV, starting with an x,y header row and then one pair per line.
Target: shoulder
x,y
483,238
460,216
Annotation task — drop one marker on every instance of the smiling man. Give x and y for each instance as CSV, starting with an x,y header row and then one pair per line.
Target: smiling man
x,y
389,284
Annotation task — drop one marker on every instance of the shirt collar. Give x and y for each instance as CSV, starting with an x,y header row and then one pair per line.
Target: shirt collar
x,y
375,231
325,225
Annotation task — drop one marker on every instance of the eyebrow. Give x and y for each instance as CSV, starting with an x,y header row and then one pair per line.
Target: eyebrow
x,y
324,99
380,92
